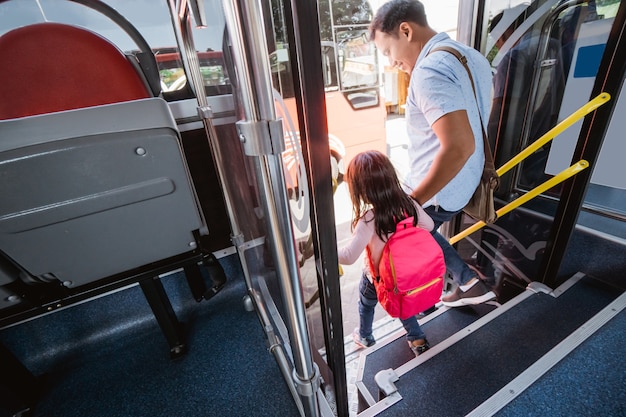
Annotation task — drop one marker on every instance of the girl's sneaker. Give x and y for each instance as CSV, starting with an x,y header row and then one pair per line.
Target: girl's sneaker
x,y
419,348
362,342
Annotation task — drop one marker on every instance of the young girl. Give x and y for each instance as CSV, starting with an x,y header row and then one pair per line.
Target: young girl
x,y
378,203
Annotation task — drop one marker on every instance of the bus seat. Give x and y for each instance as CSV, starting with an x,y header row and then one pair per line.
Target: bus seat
x,y
94,181
108,191
56,67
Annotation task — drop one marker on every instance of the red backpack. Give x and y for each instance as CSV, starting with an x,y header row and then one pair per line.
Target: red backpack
x,y
410,272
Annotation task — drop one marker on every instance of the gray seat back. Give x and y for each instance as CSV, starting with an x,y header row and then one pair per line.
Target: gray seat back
x,y
95,192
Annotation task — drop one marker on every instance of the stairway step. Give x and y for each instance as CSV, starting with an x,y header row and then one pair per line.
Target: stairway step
x,y
458,374
393,351
588,355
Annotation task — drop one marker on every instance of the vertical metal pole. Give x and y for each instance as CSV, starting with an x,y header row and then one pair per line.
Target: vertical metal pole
x,y
305,379
262,136
302,20
182,29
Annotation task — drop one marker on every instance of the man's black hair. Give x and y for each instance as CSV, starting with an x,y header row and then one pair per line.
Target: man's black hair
x,y
391,14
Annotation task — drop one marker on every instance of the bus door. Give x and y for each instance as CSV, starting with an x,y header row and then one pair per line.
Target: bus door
x,y
327,93
549,58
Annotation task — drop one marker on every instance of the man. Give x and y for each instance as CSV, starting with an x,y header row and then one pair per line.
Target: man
x,y
444,125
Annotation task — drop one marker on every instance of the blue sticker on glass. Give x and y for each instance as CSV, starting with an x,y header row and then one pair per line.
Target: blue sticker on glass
x,y
588,61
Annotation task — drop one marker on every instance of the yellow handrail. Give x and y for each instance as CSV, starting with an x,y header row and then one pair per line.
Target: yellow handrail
x,y
555,131
592,105
558,178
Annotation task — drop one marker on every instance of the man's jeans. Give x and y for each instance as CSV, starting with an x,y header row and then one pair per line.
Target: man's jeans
x,y
459,270
367,304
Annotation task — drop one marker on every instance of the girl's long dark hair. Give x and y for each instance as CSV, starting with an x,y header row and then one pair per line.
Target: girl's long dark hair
x,y
373,182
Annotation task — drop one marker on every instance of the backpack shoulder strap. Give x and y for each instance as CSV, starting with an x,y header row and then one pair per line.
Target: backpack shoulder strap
x,y
462,59
370,263
404,223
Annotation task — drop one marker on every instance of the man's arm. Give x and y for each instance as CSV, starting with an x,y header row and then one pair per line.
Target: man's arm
x,y
457,145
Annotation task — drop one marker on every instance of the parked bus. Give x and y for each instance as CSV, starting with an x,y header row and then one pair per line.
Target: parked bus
x,y
158,258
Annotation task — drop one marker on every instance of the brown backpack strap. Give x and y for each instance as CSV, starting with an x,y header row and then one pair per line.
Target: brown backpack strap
x,y
463,60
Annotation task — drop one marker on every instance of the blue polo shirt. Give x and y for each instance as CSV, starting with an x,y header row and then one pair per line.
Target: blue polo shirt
x,y
440,85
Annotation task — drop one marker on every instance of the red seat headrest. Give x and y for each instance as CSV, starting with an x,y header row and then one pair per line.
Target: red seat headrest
x,y
54,67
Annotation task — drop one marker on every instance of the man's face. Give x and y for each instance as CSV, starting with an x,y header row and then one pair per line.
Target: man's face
x,y
397,49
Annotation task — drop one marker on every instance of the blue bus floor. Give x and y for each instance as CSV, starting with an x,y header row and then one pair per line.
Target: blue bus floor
x,y
128,371
599,363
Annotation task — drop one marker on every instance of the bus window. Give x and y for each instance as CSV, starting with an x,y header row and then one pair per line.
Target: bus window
x,y
588,29
356,115
526,103
359,70
354,112
529,103
153,21
349,58
174,79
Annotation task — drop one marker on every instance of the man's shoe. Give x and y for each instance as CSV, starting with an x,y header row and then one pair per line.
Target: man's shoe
x,y
362,342
419,348
478,293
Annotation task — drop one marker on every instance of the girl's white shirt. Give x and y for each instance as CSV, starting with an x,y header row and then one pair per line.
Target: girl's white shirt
x,y
364,235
